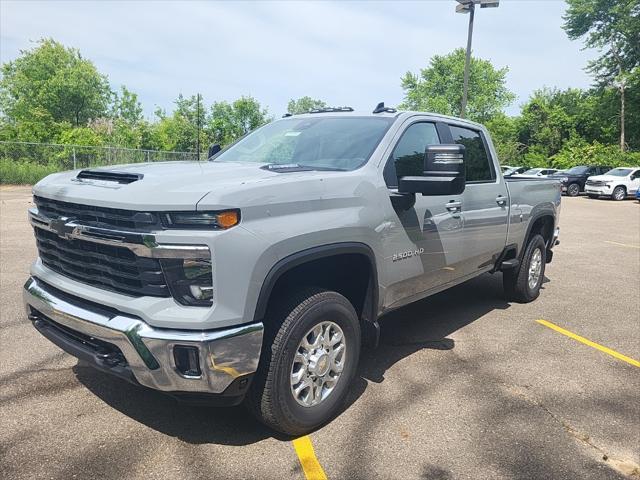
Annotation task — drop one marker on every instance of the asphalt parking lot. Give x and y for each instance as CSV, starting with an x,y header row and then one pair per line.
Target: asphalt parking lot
x,y
464,385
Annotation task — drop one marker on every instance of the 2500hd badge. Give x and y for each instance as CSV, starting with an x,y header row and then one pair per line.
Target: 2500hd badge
x,y
402,255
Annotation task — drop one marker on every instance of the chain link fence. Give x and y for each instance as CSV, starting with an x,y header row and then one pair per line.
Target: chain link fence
x,y
67,157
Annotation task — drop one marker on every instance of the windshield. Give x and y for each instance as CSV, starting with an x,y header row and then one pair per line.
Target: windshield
x,y
317,142
532,171
619,172
577,170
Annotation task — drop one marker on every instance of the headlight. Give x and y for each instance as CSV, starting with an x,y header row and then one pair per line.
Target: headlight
x,y
564,179
190,281
201,220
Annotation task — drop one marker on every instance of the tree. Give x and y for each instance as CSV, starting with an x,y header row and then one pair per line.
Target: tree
x,y
126,106
49,86
229,121
613,27
438,88
303,105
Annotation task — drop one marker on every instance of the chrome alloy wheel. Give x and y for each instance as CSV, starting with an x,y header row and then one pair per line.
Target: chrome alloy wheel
x,y
618,193
318,364
535,268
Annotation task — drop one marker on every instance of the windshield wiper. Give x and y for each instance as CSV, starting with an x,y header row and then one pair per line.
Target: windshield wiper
x,y
296,167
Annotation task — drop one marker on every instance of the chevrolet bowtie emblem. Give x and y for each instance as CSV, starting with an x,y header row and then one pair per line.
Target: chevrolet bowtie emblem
x,y
62,226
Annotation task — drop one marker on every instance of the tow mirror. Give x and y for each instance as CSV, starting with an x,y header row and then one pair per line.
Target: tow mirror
x,y
444,172
213,149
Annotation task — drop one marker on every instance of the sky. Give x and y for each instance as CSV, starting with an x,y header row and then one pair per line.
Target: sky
x,y
346,53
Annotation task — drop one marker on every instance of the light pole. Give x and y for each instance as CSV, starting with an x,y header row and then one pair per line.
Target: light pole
x,y
469,6
198,126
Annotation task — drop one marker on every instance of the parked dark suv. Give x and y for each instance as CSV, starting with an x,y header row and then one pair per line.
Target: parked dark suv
x,y
573,180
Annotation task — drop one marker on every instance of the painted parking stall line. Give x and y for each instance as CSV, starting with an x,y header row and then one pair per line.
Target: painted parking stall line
x,y
622,244
308,460
586,341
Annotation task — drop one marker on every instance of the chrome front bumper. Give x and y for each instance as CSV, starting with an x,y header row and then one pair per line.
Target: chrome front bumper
x,y
224,355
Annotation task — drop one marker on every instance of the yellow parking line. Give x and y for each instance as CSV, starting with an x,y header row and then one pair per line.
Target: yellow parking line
x,y
606,350
310,465
621,244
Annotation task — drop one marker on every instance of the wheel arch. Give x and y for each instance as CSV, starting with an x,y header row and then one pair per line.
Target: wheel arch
x,y
356,258
542,222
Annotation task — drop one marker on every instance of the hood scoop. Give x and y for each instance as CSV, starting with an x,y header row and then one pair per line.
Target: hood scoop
x,y
109,176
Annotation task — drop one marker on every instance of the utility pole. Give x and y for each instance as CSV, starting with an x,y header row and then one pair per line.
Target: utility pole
x,y
198,126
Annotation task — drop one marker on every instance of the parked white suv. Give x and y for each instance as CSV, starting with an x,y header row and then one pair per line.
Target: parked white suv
x,y
616,184
537,172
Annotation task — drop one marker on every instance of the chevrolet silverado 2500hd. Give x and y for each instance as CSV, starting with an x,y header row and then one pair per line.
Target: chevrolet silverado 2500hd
x,y
258,274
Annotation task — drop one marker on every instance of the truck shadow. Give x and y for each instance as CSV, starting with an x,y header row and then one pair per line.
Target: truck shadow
x,y
422,325
428,323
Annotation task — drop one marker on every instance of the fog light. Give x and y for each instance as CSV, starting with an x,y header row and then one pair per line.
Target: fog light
x,y
187,360
190,280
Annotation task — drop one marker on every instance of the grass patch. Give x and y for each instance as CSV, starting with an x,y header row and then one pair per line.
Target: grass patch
x,y
23,172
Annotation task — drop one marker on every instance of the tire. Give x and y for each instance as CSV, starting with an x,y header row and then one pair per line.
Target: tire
x,y
573,190
593,196
619,193
516,281
271,398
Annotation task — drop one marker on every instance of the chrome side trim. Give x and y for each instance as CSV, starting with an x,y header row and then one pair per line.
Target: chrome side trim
x,y
142,244
224,354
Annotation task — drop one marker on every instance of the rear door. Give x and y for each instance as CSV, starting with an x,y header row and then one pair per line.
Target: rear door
x,y
423,244
634,182
485,202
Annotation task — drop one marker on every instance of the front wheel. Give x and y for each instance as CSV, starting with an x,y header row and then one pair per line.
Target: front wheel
x,y
619,193
309,360
523,284
573,190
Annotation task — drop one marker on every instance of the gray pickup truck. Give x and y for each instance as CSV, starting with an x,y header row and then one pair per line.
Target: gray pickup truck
x,y
258,275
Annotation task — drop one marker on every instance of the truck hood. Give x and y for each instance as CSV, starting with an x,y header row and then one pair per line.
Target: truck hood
x,y
156,186
605,178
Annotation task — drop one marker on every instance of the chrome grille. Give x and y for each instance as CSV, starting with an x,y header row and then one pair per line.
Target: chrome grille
x,y
596,183
103,266
98,216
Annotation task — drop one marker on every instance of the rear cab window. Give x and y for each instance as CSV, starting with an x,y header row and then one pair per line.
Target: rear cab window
x,y
479,166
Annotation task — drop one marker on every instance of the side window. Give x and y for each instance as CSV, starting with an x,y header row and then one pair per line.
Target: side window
x,y
478,165
407,159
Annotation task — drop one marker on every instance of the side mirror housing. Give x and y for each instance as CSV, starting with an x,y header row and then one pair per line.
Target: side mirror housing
x,y
213,149
444,172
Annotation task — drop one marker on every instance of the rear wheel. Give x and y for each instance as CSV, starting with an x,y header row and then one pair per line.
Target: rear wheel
x,y
573,190
308,362
619,193
523,284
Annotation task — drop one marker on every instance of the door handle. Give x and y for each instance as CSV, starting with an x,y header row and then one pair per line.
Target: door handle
x,y
454,206
501,200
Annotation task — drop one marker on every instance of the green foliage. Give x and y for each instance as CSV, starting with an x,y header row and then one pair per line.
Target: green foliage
x,y
504,132
23,172
229,121
438,88
303,105
49,87
127,107
580,153
81,136
611,26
